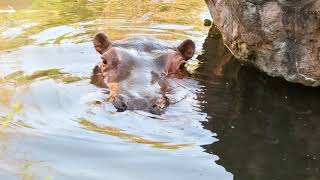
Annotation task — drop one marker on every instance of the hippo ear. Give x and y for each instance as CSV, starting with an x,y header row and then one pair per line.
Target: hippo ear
x,y
102,38
187,48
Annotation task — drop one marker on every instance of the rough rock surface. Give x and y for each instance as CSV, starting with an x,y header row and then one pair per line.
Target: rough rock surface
x,y
280,37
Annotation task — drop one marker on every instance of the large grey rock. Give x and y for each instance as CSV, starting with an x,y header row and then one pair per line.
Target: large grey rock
x,y
280,37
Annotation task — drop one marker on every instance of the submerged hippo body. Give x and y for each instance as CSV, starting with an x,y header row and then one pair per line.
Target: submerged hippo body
x,y
130,66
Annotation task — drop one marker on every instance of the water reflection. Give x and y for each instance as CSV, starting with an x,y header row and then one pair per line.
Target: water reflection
x,y
20,78
267,128
46,57
55,21
112,131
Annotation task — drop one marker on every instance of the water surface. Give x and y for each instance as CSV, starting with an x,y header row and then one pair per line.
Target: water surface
x,y
229,122
55,124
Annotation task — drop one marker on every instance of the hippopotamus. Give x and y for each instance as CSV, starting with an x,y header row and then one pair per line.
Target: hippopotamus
x,y
155,105
131,68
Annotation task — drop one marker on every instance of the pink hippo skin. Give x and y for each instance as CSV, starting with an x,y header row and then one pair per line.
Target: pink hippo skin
x,y
120,59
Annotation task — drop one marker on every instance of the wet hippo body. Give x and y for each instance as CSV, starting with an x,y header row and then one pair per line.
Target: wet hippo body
x,y
136,70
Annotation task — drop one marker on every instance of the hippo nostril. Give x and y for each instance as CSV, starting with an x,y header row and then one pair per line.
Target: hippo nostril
x,y
104,61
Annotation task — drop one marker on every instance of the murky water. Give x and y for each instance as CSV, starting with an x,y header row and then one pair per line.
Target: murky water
x,y
55,124
267,128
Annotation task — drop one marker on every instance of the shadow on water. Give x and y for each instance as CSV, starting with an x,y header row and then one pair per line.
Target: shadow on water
x,y
267,128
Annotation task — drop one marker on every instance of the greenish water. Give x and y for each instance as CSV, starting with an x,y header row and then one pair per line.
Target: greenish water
x,y
231,122
55,124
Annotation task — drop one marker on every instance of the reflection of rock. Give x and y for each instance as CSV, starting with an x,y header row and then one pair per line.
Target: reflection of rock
x,y
221,87
215,55
275,133
279,37
267,129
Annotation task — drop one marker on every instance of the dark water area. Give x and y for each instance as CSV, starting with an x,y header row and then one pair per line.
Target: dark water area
x,y
267,128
